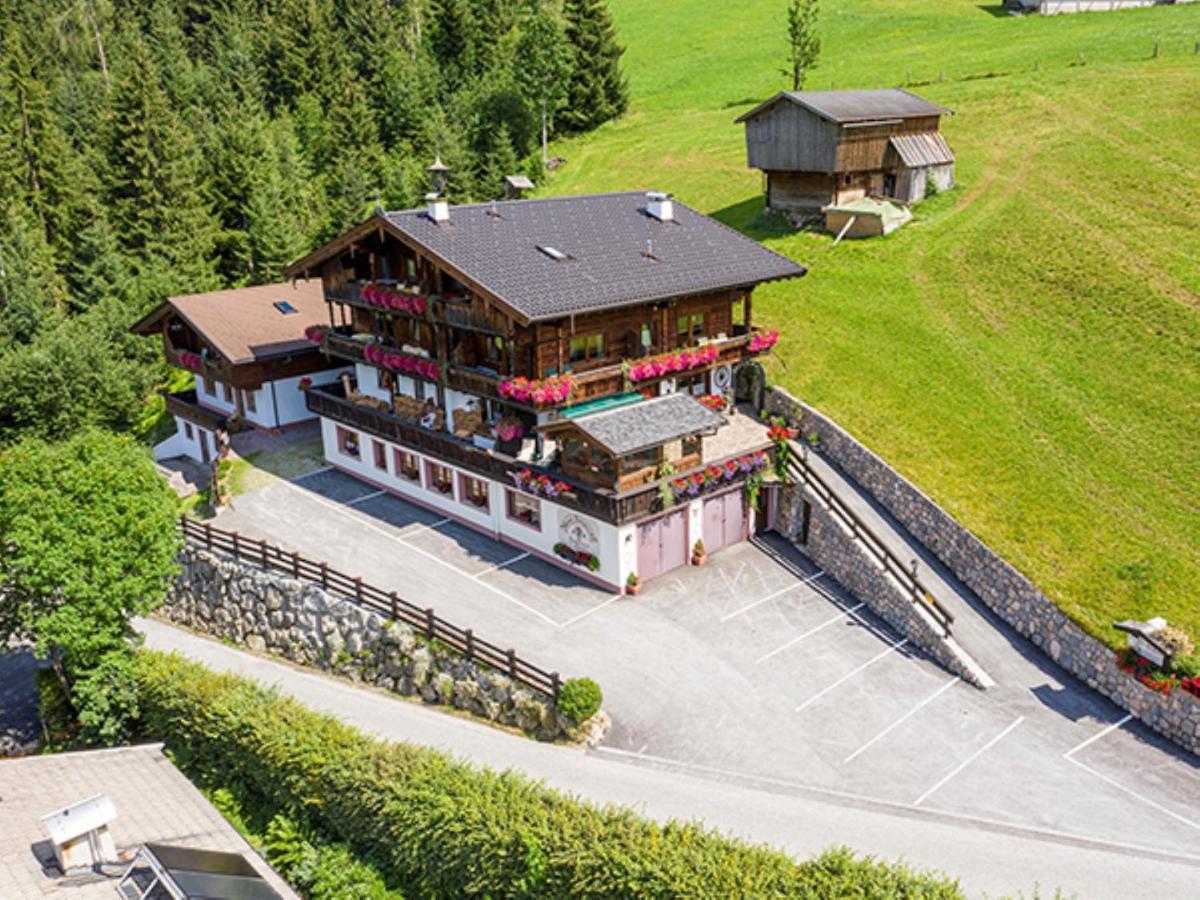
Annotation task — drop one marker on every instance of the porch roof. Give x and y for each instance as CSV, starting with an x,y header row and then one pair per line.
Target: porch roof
x,y
651,423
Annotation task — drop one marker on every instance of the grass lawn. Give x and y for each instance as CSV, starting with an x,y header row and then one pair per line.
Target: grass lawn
x,y
1026,350
265,467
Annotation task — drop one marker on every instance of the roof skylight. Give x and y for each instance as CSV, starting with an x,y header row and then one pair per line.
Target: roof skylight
x,y
286,308
554,253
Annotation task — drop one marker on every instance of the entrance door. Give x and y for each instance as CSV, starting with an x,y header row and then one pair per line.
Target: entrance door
x,y
662,545
205,456
724,520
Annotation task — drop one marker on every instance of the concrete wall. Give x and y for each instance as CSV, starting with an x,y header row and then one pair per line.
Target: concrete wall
x,y
1009,593
612,545
1054,7
268,612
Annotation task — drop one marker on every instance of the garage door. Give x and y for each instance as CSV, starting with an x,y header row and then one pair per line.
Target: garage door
x,y
662,545
724,520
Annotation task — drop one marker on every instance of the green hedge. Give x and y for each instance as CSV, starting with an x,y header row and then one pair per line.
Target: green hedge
x,y
579,699
438,828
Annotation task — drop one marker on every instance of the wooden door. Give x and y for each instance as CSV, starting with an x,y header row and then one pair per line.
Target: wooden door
x,y
724,520
662,545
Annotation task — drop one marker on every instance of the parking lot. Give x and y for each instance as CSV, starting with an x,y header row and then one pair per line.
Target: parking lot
x,y
758,667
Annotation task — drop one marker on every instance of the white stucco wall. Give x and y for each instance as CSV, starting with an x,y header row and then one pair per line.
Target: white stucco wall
x,y
214,400
613,546
179,444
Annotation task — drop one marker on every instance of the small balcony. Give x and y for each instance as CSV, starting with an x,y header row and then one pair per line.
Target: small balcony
x,y
186,405
454,312
743,436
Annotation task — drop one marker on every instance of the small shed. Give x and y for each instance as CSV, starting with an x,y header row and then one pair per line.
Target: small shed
x,y
516,187
868,217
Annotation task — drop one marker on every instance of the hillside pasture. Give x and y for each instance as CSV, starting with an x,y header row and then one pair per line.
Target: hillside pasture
x,y
1026,350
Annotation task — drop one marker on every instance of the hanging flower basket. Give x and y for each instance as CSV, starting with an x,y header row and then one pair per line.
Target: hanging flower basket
x,y
762,341
540,485
671,363
548,391
316,334
191,361
509,429
404,363
304,383
383,296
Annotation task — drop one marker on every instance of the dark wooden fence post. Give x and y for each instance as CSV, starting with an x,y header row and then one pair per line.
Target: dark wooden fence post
x,y
512,662
208,536
237,550
470,643
324,574
262,546
430,619
295,564
555,685
358,595
395,605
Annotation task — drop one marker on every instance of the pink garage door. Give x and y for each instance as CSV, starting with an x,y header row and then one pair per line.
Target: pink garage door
x,y
662,545
724,520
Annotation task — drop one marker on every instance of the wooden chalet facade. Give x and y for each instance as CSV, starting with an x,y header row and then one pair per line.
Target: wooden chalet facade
x,y
829,148
251,359
532,368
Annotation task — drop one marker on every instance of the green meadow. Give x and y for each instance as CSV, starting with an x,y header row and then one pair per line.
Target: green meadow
x,y
1026,350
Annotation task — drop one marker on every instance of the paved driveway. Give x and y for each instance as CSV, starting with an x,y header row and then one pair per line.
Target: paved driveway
x,y
757,668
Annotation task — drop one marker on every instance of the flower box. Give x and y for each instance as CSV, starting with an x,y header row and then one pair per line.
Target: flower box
x,y
383,296
762,341
577,557
540,485
671,363
404,363
548,391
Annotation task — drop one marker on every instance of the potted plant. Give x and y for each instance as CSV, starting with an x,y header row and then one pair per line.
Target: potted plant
x,y
633,585
699,554
509,433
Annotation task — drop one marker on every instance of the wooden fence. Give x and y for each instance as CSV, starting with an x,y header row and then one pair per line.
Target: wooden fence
x,y
425,621
802,473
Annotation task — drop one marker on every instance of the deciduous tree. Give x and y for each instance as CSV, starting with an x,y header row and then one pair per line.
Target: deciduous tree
x,y
804,44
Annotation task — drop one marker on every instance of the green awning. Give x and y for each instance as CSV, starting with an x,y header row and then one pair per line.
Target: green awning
x,y
595,406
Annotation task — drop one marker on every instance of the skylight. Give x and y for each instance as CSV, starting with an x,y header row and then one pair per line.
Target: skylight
x,y
286,308
554,253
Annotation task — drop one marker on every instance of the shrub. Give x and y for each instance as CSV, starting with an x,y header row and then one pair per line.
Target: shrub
x,y
1187,666
1175,641
436,827
54,709
579,699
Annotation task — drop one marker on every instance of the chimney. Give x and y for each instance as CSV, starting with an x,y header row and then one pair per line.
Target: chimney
x,y
439,207
437,175
660,206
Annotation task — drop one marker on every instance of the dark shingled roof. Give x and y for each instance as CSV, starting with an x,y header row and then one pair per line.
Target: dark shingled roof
x,y
605,237
855,106
650,423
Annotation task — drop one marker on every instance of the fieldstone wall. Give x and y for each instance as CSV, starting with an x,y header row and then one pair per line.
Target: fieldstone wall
x,y
832,547
1009,593
269,612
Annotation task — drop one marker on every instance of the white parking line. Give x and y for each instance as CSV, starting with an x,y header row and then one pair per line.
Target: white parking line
x,y
1131,792
904,718
401,539
599,606
507,562
366,497
966,762
1095,737
794,641
870,662
778,593
312,474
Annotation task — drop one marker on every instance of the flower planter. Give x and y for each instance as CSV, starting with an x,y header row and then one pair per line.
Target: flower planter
x,y
700,560
633,589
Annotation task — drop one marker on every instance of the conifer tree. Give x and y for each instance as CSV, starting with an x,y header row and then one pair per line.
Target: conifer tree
x,y
31,291
500,161
597,90
544,68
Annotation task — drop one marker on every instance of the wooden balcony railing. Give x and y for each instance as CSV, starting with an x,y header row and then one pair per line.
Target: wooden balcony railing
x,y
329,401
441,312
186,405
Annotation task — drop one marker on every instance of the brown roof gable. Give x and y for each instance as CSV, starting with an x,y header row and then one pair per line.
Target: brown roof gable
x,y
243,324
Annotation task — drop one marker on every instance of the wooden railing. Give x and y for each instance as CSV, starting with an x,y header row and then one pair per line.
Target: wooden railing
x,y
387,603
802,473
186,405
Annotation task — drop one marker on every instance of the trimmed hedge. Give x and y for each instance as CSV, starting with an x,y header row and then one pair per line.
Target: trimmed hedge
x,y
579,699
438,828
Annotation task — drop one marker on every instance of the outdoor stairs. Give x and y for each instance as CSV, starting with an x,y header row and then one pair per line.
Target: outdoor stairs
x,y
1003,656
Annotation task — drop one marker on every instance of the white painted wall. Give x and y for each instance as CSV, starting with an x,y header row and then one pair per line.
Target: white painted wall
x,y
179,444
214,400
367,378
614,547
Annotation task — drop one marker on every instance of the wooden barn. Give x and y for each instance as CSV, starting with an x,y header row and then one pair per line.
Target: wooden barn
x,y
829,148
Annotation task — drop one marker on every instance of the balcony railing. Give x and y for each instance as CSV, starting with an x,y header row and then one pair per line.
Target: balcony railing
x,y
442,312
186,405
330,402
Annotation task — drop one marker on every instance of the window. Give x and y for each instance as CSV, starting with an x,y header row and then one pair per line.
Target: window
x,y
347,442
379,451
439,478
584,348
226,392
690,446
524,509
210,386
635,462
408,466
187,430
474,491
646,340
250,400
284,307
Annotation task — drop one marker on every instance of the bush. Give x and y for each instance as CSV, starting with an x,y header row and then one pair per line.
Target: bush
x,y
54,709
579,699
436,827
1187,666
1175,640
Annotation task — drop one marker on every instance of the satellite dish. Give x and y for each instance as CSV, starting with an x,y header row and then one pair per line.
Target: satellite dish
x,y
722,379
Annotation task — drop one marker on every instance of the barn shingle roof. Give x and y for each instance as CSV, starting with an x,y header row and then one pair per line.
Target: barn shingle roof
x,y
855,106
629,429
556,256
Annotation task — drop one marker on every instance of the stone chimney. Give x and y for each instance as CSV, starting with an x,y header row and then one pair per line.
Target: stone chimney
x,y
660,206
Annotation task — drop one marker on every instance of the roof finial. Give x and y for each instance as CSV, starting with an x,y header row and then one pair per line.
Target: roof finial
x,y
378,203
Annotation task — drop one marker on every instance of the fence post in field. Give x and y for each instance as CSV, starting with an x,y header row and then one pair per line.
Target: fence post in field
x,y
1156,43
430,621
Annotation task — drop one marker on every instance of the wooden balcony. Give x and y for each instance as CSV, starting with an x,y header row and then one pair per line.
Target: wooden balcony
x,y
185,405
330,402
442,312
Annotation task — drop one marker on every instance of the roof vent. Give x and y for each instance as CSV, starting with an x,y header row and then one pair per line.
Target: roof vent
x,y
649,251
80,834
439,207
554,253
660,206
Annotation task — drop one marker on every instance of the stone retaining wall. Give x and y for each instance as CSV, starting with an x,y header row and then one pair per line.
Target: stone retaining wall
x,y
1009,593
832,547
269,612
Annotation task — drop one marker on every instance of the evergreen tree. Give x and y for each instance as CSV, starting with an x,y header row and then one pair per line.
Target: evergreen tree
x,y
544,68
96,270
500,161
163,222
454,38
597,90
31,291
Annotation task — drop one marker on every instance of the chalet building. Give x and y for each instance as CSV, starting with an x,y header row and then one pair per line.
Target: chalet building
x,y
557,373
831,148
249,350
